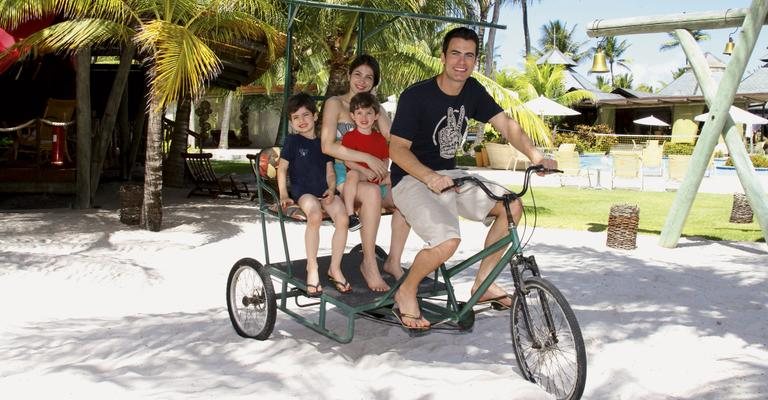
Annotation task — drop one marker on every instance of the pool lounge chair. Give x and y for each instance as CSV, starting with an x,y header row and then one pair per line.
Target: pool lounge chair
x,y
627,165
570,164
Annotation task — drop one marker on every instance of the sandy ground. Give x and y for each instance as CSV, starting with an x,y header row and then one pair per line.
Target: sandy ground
x,y
92,308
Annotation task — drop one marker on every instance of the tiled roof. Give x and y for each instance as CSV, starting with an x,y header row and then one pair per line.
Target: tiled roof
x,y
757,82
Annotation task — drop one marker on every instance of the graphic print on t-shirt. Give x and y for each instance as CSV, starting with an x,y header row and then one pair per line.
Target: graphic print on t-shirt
x,y
448,132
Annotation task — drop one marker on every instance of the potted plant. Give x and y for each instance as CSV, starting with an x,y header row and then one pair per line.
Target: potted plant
x,y
481,157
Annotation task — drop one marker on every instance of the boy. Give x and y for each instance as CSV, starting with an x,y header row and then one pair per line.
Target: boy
x,y
364,111
313,188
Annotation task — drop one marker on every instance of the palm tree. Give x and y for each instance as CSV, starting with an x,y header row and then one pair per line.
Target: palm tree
x,y
556,34
623,81
174,36
614,49
546,80
326,39
491,42
674,41
478,10
643,87
526,33
603,84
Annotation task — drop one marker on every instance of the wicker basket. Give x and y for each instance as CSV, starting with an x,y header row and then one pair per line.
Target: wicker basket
x,y
131,199
622,226
741,213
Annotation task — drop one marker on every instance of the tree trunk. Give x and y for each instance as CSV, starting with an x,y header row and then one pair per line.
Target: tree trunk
x,y
110,115
224,136
83,156
173,172
526,33
489,49
338,68
124,128
481,31
152,208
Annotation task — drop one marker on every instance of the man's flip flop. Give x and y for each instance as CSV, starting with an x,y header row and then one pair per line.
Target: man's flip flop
x,y
496,303
411,330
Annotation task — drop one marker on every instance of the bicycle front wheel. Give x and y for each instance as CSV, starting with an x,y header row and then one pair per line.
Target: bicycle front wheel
x,y
550,353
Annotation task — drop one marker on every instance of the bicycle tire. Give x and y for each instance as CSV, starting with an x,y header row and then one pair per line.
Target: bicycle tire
x,y
251,299
558,365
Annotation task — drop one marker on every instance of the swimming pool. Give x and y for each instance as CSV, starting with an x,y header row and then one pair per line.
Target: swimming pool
x,y
604,162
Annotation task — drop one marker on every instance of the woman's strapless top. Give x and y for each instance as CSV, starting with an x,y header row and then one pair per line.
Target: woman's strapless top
x,y
342,128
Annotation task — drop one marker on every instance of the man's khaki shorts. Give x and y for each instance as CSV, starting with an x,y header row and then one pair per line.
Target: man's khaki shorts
x,y
435,217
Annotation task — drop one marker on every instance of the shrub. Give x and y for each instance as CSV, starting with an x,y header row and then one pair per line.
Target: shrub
x,y
678,148
586,140
758,160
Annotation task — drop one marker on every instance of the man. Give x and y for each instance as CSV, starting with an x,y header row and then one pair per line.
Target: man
x,y
430,120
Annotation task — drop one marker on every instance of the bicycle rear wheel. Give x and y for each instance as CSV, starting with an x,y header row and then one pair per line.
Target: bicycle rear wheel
x,y
251,299
554,358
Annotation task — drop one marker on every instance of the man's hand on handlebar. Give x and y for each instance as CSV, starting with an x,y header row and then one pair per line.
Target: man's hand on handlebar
x,y
438,183
547,163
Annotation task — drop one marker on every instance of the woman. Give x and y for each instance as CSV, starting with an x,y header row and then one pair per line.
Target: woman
x,y
363,77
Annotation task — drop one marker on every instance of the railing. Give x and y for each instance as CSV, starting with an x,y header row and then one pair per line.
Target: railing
x,y
624,140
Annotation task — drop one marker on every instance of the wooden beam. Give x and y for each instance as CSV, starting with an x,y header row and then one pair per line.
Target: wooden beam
x,y
730,18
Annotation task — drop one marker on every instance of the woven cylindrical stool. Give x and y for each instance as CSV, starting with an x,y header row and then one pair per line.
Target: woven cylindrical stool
x,y
622,226
131,199
741,213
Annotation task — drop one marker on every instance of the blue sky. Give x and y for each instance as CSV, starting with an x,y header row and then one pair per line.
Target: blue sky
x,y
648,64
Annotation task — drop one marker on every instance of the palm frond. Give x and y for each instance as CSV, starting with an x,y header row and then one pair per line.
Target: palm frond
x,y
575,97
15,12
180,62
69,36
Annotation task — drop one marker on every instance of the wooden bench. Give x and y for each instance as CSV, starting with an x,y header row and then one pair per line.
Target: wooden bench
x,y
207,183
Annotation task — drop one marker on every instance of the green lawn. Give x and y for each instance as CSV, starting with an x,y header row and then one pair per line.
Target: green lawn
x,y
583,209
588,210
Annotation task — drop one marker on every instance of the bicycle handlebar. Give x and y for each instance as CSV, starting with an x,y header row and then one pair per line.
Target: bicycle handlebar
x,y
513,195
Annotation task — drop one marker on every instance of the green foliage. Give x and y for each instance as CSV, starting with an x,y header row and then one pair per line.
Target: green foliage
x,y
586,140
678,148
758,161
260,102
623,81
557,34
465,161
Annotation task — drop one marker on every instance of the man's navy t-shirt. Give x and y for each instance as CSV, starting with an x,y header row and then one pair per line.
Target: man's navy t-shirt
x,y
435,122
306,165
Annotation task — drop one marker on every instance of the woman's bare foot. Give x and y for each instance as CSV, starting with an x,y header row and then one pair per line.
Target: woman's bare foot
x,y
407,310
393,269
373,277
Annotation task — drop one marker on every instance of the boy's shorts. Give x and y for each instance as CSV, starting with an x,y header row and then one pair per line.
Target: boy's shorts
x,y
435,217
341,172
341,177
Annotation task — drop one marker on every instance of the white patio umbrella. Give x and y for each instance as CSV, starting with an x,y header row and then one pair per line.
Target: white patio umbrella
x,y
544,106
650,121
739,116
